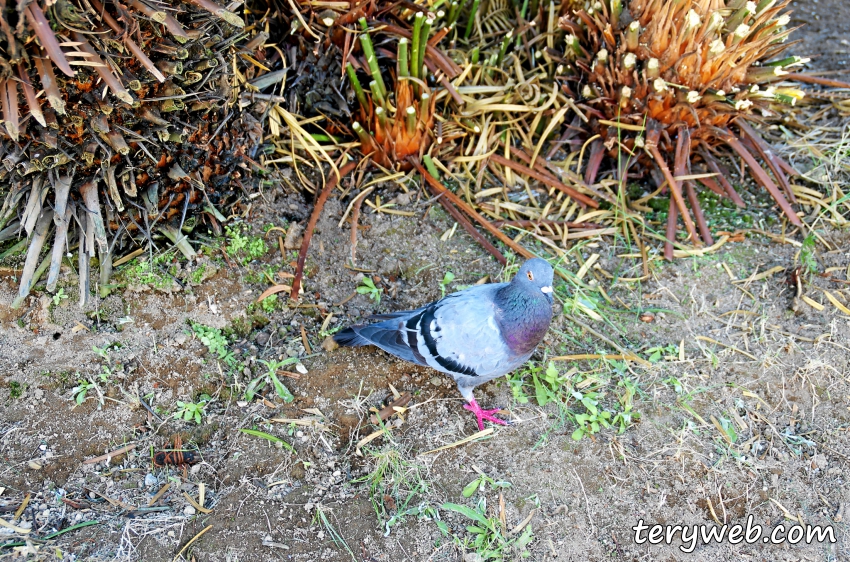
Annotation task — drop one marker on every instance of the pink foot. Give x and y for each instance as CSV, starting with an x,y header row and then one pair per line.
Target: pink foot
x,y
482,415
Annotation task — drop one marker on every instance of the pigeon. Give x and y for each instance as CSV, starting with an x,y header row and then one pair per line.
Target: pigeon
x,y
474,335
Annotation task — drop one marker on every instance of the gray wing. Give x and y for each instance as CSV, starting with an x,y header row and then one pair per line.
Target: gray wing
x,y
457,335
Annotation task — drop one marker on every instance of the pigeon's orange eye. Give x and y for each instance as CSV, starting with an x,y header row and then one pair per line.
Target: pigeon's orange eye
x,y
530,276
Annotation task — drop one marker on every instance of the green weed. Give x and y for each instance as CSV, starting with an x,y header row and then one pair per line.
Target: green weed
x,y
16,389
80,392
447,278
808,261
216,343
368,287
269,304
320,516
157,273
394,483
242,247
578,397
487,537
480,485
272,367
59,296
188,411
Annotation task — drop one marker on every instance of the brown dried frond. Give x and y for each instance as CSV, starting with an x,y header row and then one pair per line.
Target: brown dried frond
x,y
681,79
131,96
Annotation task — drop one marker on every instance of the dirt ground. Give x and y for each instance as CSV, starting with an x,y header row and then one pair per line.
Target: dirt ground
x,y
740,404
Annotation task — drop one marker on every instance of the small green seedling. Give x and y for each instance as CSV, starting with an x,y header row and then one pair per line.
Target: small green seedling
x,y
16,389
627,416
242,247
675,383
59,296
668,352
488,538
594,419
188,411
397,487
103,352
216,343
447,278
549,387
269,304
808,261
480,485
368,287
81,390
270,375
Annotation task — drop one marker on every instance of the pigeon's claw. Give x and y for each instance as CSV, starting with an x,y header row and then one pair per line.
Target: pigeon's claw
x,y
482,415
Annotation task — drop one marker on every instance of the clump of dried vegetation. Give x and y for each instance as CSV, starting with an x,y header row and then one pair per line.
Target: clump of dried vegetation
x,y
683,79
543,116
528,119
118,123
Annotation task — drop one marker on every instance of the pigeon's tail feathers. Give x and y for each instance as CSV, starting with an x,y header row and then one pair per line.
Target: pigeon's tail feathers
x,y
394,315
349,337
389,336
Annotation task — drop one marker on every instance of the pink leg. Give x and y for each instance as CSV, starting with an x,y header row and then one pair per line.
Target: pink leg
x,y
482,415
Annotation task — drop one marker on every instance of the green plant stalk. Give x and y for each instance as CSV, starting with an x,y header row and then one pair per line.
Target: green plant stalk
x,y
787,61
472,14
633,36
491,63
503,49
522,14
382,118
377,95
410,119
782,98
476,53
424,104
737,18
471,124
362,134
355,83
616,11
454,12
429,165
764,5
371,58
762,74
423,37
403,66
418,20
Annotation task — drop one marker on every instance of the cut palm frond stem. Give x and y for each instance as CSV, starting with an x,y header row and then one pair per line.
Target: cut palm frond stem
x,y
311,225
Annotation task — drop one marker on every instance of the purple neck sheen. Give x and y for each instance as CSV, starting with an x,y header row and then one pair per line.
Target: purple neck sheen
x,y
523,316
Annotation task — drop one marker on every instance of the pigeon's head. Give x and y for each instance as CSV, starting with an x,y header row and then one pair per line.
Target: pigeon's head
x,y
536,273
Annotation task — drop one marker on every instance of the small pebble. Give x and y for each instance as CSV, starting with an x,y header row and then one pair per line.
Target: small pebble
x,y
150,480
189,511
436,381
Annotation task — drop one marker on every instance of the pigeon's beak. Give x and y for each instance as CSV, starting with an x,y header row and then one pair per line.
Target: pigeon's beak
x,y
546,289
